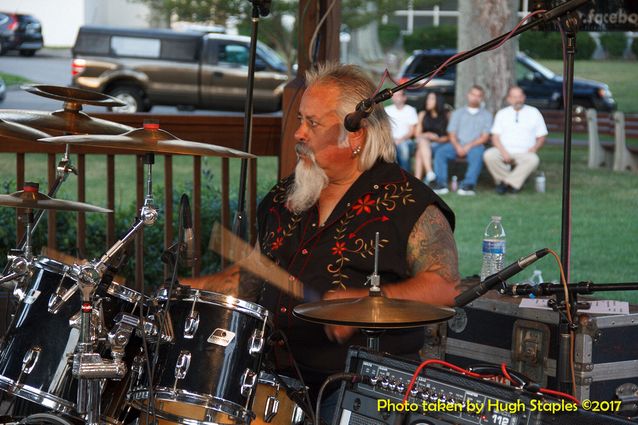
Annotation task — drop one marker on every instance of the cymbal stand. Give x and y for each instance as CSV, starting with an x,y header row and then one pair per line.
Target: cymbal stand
x,y
89,367
372,335
63,169
19,266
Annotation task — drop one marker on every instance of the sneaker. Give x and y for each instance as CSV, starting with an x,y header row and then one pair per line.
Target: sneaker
x,y
439,189
501,188
430,177
512,190
466,191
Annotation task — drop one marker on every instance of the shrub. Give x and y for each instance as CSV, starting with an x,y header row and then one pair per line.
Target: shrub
x,y
388,35
547,45
614,43
441,37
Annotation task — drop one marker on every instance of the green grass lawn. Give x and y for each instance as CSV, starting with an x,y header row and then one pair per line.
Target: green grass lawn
x,y
619,75
604,205
10,79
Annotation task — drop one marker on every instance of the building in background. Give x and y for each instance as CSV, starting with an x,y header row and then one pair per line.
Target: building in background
x,y
61,19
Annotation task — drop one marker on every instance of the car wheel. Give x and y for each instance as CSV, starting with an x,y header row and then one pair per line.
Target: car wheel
x,y
3,49
132,96
27,53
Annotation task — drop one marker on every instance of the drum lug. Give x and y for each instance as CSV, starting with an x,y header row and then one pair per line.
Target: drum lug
x,y
61,296
248,381
182,365
191,325
30,359
271,408
256,342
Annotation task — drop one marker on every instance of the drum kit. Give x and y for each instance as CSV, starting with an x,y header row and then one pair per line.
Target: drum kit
x,y
83,348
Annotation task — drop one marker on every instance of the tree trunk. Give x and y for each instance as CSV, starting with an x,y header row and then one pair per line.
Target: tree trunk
x,y
479,22
364,45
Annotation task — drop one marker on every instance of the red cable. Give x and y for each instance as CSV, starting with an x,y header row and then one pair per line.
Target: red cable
x,y
559,394
506,374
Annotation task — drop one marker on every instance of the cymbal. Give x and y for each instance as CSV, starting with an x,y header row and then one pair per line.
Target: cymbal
x,y
69,121
31,198
73,95
372,312
149,139
10,131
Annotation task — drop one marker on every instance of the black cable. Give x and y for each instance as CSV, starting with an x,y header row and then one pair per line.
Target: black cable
x,y
284,338
352,377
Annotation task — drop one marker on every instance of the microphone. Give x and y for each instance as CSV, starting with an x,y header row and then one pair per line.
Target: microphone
x,y
187,242
499,277
352,122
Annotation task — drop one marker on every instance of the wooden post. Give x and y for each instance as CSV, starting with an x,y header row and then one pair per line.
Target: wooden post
x,y
310,12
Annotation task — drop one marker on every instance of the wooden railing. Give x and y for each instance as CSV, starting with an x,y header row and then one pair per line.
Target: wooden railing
x,y
219,130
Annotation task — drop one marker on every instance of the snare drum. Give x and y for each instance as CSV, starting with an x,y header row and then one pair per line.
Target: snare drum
x,y
208,373
37,353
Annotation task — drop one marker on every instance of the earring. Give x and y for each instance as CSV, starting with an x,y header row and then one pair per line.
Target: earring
x,y
356,151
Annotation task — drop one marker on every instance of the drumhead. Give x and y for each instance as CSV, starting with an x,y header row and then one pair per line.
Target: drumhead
x,y
215,298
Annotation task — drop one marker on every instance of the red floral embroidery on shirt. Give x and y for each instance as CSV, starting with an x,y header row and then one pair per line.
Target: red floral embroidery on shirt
x,y
277,243
364,204
338,248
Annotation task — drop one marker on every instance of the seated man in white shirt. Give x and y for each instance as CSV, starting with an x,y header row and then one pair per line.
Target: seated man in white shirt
x,y
404,119
517,134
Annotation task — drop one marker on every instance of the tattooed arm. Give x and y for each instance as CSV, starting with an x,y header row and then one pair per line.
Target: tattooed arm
x,y
433,262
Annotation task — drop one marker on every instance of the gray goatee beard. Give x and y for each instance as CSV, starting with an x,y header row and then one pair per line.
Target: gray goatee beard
x,y
310,180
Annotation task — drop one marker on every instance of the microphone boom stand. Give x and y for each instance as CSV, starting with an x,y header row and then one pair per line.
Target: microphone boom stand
x,y
260,8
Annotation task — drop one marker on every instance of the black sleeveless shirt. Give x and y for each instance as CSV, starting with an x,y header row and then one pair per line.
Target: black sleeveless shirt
x,y
340,254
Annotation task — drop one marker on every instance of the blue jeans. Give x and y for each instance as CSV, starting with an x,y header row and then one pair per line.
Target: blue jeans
x,y
447,153
405,150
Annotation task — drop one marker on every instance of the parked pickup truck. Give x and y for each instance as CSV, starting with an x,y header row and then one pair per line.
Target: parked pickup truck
x,y
147,67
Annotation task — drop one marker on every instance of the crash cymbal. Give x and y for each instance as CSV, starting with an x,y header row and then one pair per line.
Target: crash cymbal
x,y
69,121
150,139
72,95
372,312
31,198
12,132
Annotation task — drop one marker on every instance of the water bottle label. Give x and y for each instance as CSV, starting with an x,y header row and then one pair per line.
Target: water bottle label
x,y
493,247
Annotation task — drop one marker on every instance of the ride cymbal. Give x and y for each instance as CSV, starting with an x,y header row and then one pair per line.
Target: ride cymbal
x,y
372,312
72,95
150,139
13,132
31,198
68,121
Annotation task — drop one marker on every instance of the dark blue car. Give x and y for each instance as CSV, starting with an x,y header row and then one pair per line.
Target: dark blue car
x,y
543,87
20,32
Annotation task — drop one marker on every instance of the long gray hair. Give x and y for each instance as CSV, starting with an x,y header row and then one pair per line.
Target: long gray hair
x,y
354,86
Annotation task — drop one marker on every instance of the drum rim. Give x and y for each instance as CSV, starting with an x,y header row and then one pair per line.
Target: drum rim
x,y
40,397
209,297
221,405
125,293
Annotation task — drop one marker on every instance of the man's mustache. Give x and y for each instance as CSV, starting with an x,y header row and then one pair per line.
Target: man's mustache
x,y
301,149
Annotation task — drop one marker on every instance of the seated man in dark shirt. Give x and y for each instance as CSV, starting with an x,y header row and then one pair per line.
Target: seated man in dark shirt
x,y
319,225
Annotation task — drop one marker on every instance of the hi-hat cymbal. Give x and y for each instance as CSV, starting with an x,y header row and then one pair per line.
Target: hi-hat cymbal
x,y
31,198
73,95
68,121
150,139
13,132
372,312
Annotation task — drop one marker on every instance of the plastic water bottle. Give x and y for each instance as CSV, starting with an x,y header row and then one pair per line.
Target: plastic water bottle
x,y
493,248
539,183
455,184
537,278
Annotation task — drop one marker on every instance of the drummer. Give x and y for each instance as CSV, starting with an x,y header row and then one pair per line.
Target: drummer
x,y
319,225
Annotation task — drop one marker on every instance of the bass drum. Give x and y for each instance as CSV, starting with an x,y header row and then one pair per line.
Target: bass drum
x,y
36,356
